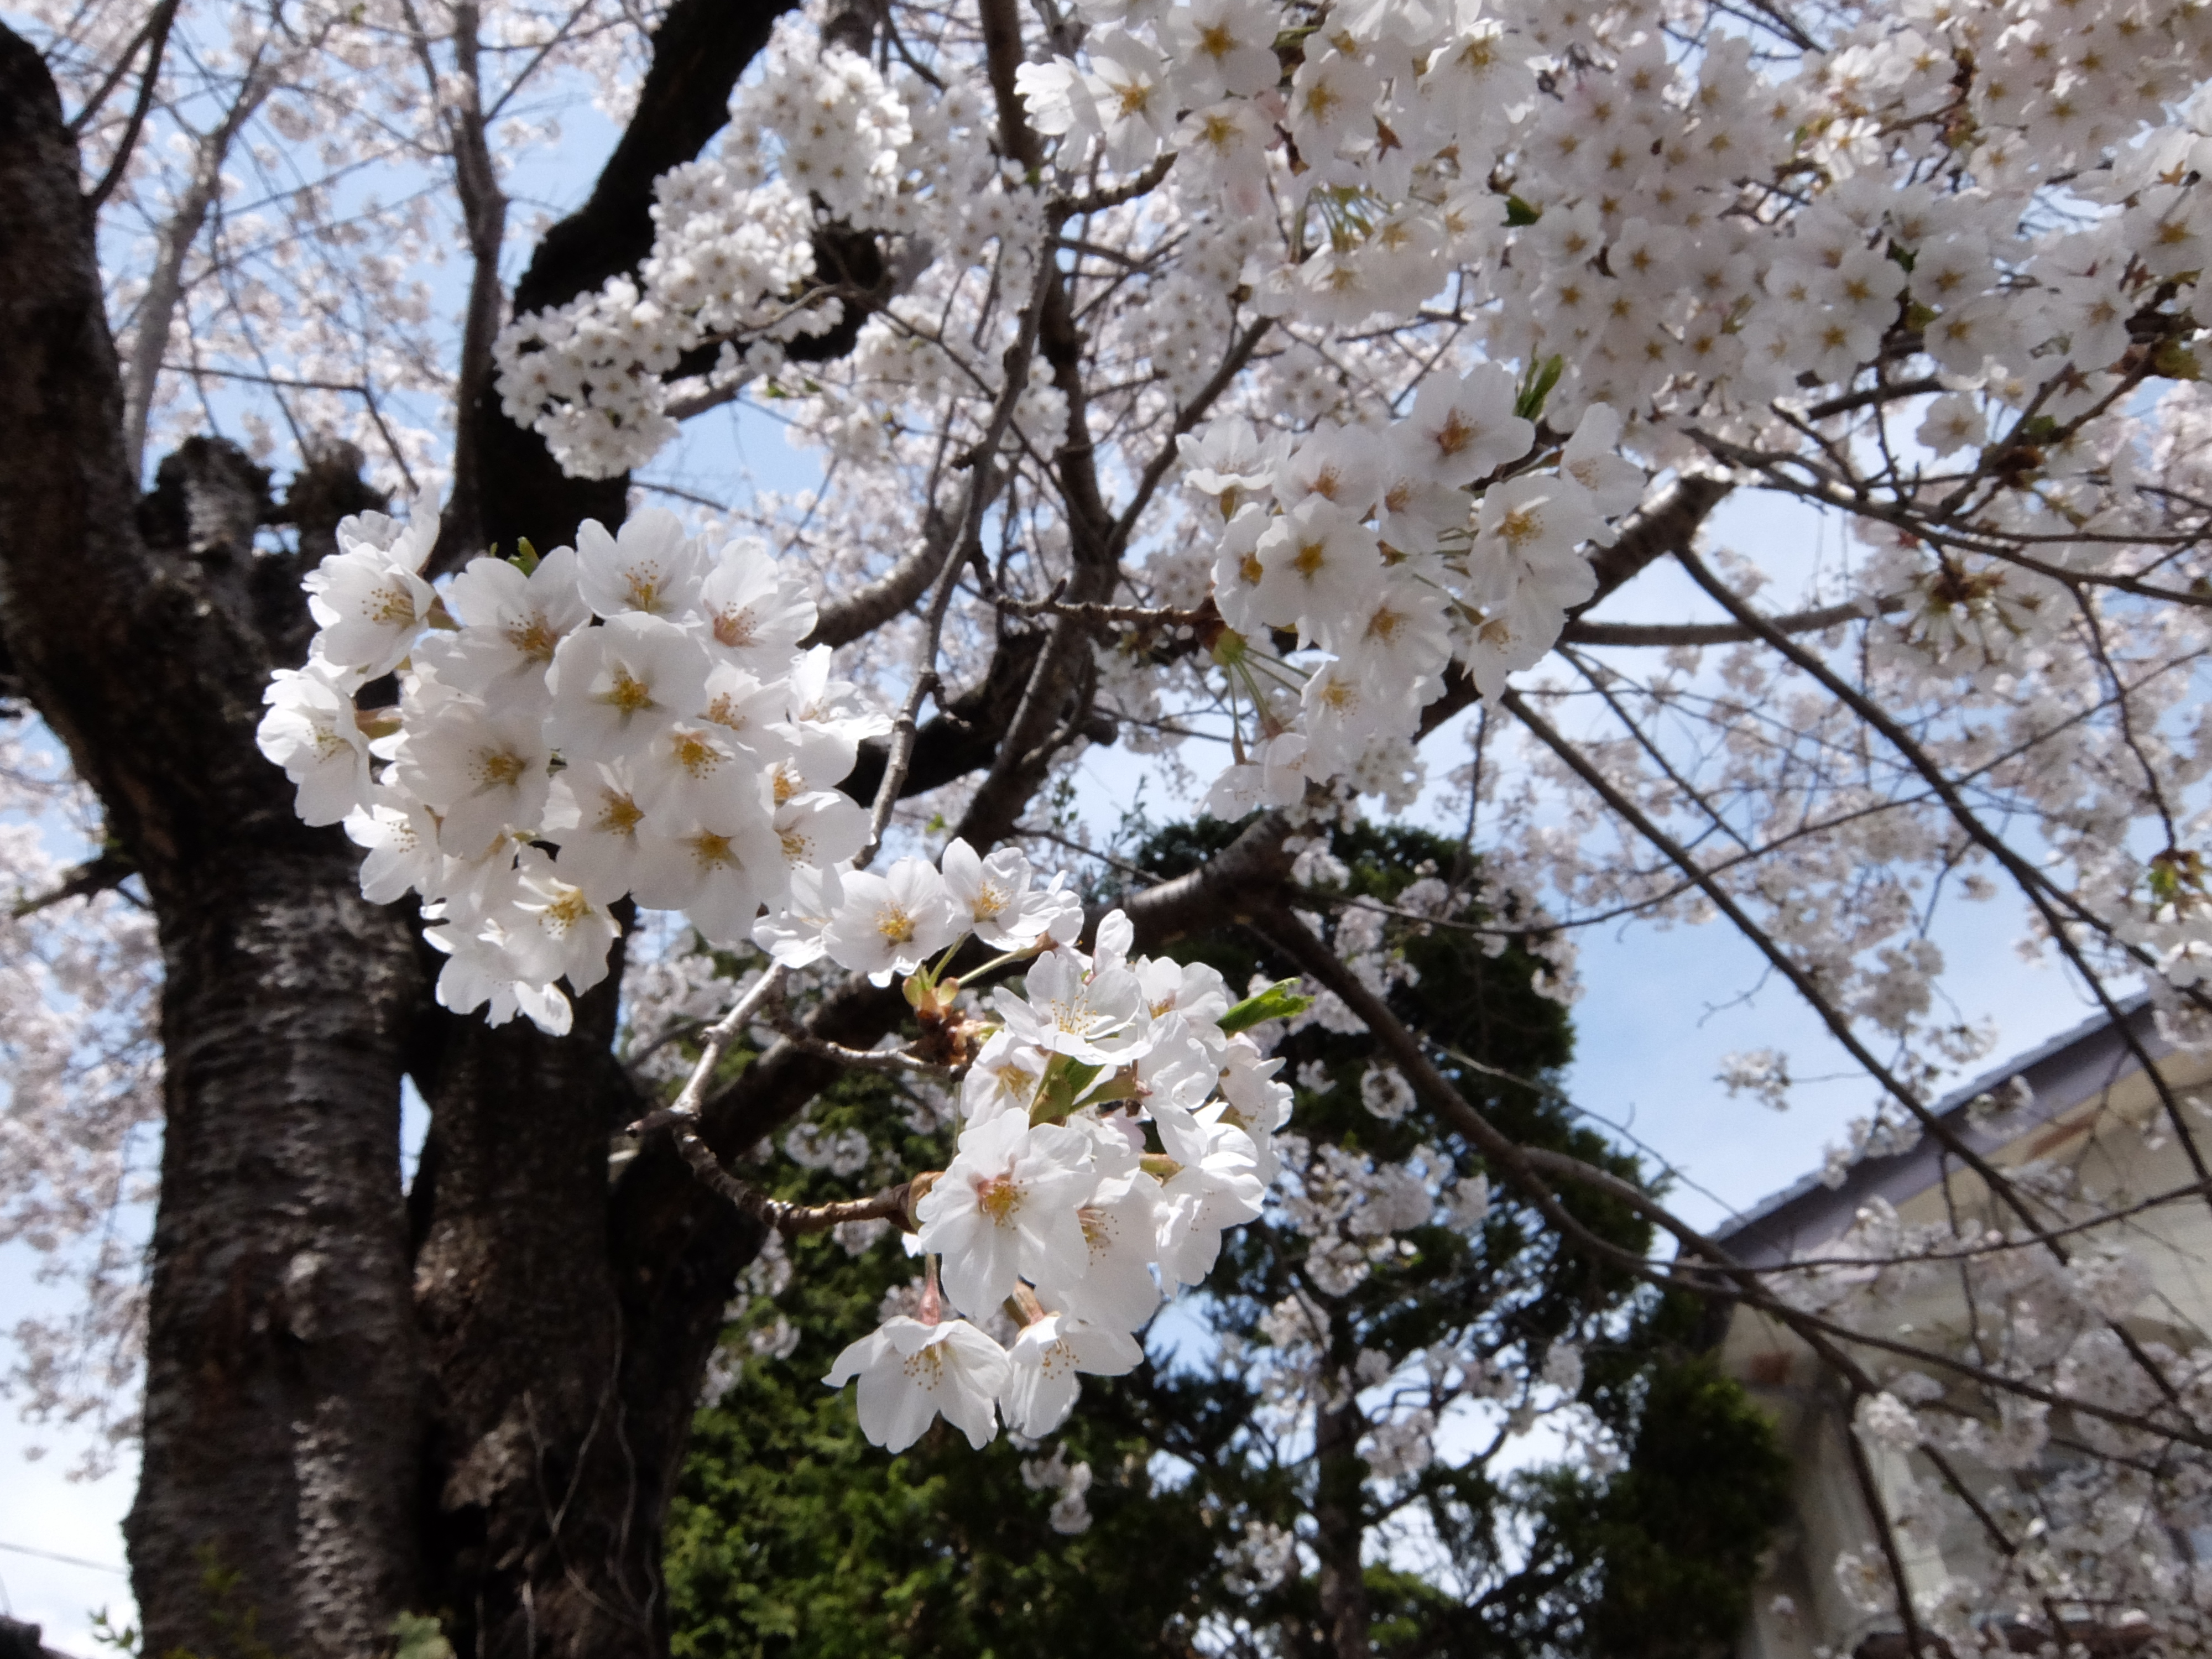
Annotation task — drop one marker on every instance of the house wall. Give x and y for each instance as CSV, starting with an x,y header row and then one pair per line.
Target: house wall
x,y
2114,1134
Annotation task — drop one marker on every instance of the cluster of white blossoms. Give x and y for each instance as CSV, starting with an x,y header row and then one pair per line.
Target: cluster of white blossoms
x,y
1116,1122
1606,251
631,718
727,288
1365,543
893,924
636,718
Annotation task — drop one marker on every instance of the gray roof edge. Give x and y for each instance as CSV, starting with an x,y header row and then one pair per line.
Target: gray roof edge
x,y
2061,1071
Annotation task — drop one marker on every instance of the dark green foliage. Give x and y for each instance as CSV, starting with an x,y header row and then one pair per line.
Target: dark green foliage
x,y
793,1537
1678,1533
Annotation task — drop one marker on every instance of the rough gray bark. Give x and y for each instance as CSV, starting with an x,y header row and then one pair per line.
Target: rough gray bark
x,y
281,1416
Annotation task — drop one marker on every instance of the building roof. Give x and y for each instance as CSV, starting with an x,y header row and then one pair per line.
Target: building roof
x,y
2059,1074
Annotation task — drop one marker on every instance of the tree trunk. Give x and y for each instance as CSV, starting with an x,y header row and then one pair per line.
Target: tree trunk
x,y
281,1444
473,1402
542,1528
1340,1526
283,1398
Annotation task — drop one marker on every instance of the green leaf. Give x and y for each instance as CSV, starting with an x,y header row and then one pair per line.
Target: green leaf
x,y
420,1638
2176,361
1518,212
1064,1081
1536,386
525,555
1278,1001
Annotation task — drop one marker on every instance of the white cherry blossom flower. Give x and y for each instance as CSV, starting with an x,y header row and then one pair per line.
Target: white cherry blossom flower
x,y
512,623
717,863
367,598
592,813
754,614
1216,1186
992,895
400,835
910,1373
650,566
891,924
1042,1367
1003,1077
481,766
1223,48
1318,562
1006,1207
1462,430
559,931
820,829
620,682
1115,1287
310,731
1093,1015
1276,778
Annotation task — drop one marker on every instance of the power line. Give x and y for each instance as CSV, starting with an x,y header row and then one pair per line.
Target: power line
x,y
71,1560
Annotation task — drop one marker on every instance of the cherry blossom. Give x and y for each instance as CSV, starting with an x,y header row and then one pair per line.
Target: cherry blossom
x,y
910,1373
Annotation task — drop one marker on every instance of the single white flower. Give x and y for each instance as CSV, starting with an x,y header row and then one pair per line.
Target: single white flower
x,y
558,931
615,685
718,863
311,732
753,614
891,924
368,598
1121,1235
820,828
592,813
482,768
1461,430
1006,1208
401,836
911,1372
989,893
510,623
1216,1185
651,567
1092,1016
1042,1367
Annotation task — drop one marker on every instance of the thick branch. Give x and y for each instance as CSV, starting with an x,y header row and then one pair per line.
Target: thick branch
x,y
1657,529
859,614
517,489
1582,631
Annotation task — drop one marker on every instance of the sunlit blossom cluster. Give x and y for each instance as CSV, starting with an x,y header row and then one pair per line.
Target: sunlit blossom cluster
x,y
1118,1119
631,718
1391,322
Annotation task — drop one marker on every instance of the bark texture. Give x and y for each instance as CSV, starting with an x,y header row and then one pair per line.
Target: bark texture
x,y
280,1451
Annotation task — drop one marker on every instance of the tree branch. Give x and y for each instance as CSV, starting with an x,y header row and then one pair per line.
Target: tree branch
x,y
1581,631
157,26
